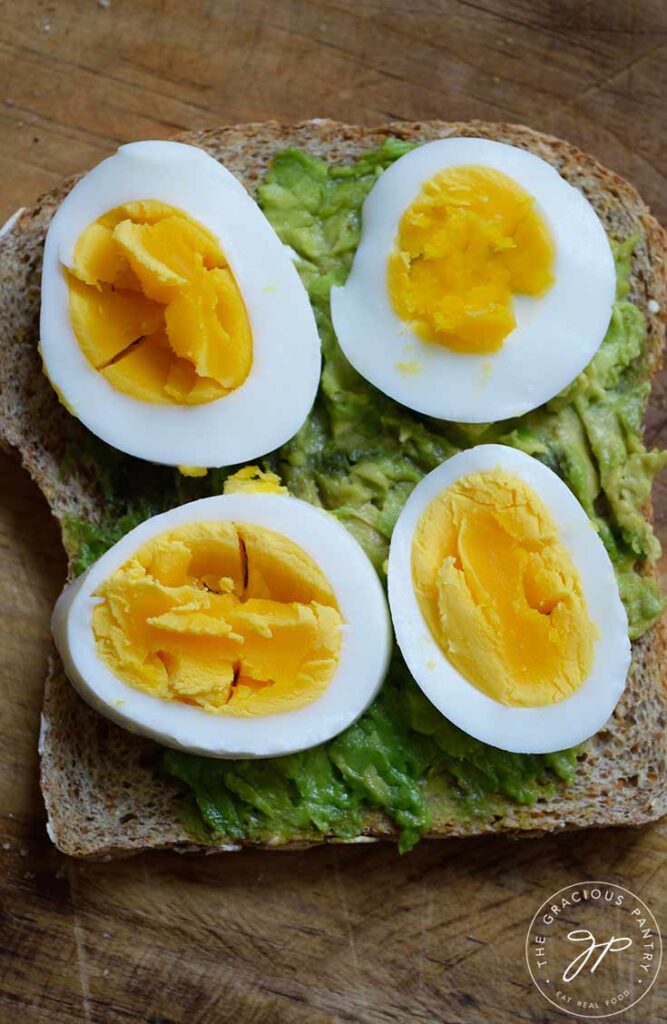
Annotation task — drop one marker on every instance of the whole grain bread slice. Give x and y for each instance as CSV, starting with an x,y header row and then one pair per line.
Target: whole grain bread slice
x,y
102,793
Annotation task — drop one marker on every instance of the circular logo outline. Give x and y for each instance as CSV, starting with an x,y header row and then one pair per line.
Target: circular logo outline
x,y
596,884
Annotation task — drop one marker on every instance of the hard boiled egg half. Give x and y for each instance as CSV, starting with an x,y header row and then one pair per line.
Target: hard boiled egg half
x,y
244,625
173,323
482,285
505,603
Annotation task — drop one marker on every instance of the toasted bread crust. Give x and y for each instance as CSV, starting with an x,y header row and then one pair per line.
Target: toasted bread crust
x,y
102,794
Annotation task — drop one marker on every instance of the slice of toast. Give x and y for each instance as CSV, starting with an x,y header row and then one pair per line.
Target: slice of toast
x,y
102,794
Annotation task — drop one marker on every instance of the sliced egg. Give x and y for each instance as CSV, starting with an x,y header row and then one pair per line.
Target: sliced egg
x,y
173,322
244,625
482,285
505,604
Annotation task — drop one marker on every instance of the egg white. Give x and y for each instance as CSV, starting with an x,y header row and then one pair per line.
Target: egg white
x,y
365,650
522,730
276,397
556,336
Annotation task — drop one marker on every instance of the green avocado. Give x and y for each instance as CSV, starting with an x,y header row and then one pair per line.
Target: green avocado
x,y
359,455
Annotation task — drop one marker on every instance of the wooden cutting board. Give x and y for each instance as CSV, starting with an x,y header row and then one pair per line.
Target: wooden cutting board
x,y
354,934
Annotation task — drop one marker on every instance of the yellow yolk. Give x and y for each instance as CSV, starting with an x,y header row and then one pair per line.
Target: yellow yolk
x,y
233,618
500,593
156,309
469,241
253,480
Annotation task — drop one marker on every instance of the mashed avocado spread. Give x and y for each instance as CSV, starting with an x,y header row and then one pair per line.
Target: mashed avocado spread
x,y
359,455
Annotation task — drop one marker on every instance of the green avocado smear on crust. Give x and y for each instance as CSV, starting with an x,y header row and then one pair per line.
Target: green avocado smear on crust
x,y
359,455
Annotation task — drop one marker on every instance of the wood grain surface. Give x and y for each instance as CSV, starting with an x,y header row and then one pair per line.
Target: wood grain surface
x,y
338,934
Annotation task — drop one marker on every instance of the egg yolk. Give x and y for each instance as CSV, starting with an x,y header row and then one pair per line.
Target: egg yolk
x,y
233,618
500,593
253,480
469,241
155,307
